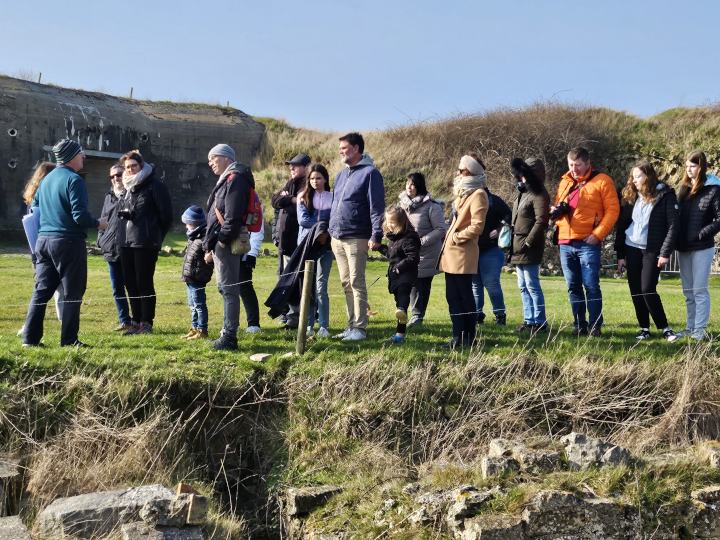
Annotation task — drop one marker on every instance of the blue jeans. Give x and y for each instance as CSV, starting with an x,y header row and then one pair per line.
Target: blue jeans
x,y
528,276
581,268
197,301
322,300
117,281
490,265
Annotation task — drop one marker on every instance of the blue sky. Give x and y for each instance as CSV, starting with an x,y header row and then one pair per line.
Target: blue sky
x,y
373,64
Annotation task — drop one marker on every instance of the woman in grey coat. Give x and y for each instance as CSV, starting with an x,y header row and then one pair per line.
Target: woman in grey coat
x,y
427,218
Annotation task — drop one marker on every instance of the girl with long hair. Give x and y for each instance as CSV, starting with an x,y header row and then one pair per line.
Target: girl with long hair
x,y
645,236
313,205
699,198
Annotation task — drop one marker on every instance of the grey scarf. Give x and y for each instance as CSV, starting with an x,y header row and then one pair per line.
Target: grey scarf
x,y
465,185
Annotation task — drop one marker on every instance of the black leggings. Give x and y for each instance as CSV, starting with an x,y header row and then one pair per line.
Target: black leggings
x,y
402,301
643,274
461,303
138,265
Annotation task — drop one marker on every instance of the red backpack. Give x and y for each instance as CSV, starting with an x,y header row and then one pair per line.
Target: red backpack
x,y
254,215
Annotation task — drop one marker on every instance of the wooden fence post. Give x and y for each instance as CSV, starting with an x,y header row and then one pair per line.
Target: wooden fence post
x,y
305,306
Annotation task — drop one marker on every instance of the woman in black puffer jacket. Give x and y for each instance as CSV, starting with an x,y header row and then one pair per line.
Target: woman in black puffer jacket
x,y
645,237
699,197
146,214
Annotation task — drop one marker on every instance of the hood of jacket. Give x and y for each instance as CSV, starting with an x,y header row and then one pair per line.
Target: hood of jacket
x,y
365,161
712,180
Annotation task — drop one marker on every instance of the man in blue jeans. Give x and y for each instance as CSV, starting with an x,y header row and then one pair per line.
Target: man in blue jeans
x,y
585,211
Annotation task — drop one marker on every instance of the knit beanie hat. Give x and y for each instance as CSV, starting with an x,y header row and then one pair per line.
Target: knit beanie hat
x,y
66,150
223,150
194,216
538,167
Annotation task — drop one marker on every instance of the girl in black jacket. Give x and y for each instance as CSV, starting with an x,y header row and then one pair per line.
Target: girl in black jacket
x,y
644,240
403,253
699,196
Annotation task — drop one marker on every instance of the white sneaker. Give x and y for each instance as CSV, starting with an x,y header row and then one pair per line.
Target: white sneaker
x,y
355,334
342,334
323,332
253,330
309,332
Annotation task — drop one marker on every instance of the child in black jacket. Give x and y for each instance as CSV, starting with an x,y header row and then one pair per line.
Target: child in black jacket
x,y
403,253
196,273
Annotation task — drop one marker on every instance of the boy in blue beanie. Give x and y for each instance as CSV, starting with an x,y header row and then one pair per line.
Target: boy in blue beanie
x,y
196,273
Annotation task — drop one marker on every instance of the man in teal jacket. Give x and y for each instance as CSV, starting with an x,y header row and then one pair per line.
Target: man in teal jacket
x,y
60,249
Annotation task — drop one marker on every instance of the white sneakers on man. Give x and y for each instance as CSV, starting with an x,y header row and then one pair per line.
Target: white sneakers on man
x,y
355,334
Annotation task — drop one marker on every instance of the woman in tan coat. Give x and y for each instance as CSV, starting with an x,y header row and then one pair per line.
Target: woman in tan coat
x,y
459,258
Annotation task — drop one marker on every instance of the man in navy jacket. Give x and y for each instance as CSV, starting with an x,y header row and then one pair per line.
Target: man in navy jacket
x,y
355,226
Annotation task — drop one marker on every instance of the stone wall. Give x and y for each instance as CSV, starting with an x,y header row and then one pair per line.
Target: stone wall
x,y
173,136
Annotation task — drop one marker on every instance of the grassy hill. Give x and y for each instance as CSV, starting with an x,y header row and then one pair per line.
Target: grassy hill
x,y
368,416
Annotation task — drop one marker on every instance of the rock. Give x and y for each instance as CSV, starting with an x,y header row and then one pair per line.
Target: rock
x,y
301,501
9,482
534,461
11,528
466,502
288,354
411,489
389,504
707,495
94,514
260,357
493,528
197,509
434,504
557,514
540,461
583,452
499,448
143,531
616,455
491,466
163,512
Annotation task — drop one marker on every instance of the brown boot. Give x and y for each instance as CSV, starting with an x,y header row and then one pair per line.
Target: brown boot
x,y
199,334
191,333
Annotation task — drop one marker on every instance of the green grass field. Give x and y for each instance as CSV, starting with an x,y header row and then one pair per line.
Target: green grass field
x,y
164,355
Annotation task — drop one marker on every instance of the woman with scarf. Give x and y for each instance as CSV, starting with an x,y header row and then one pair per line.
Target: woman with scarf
x,y
427,218
460,251
146,213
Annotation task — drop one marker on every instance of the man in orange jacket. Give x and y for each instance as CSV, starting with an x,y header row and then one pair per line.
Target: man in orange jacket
x,y
585,211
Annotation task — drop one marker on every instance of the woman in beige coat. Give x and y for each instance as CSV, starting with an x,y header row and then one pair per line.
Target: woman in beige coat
x,y
459,258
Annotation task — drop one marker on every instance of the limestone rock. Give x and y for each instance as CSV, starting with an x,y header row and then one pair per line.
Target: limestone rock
x,y
466,502
557,514
94,514
301,501
503,448
260,357
411,489
493,528
433,506
197,509
498,466
143,531
583,452
707,495
540,461
11,528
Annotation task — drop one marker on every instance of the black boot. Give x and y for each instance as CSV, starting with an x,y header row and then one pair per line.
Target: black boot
x,y
501,319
